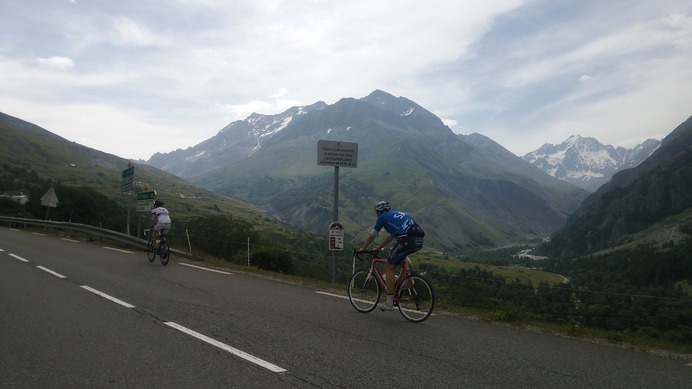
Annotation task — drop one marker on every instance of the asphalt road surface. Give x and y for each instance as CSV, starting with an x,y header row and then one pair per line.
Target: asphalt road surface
x,y
78,314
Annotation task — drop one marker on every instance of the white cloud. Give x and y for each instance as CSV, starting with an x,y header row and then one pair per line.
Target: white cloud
x,y
60,63
129,32
521,72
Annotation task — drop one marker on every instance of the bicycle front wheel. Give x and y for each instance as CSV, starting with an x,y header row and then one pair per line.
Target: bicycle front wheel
x,y
416,299
151,251
363,291
165,252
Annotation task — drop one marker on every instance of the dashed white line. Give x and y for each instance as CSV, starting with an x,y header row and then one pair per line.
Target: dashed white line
x,y
18,257
239,353
70,240
206,268
45,269
108,297
225,347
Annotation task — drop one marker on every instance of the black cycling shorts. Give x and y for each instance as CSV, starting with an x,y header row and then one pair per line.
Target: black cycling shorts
x,y
403,247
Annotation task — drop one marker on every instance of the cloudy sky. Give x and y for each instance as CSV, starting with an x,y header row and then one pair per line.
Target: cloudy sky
x,y
133,77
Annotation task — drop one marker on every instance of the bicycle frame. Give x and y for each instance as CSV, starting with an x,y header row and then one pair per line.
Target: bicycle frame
x,y
399,278
402,276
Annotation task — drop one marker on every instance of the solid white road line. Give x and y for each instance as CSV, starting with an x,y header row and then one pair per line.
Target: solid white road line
x,y
225,347
120,250
18,257
50,272
346,298
333,295
111,298
205,268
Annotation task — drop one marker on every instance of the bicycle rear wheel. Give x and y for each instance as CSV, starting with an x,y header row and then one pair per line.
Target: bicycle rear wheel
x,y
165,252
416,299
363,291
151,251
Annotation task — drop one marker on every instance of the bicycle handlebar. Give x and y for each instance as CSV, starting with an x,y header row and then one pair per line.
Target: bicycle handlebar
x,y
357,253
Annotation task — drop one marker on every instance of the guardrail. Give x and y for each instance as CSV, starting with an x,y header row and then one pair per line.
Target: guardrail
x,y
108,234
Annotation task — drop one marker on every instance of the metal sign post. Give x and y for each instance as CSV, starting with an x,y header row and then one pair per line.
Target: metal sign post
x,y
337,154
126,185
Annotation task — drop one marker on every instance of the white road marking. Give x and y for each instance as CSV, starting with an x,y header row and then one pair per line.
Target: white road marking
x,y
119,250
111,298
70,240
333,295
225,347
362,301
51,272
205,268
38,233
18,257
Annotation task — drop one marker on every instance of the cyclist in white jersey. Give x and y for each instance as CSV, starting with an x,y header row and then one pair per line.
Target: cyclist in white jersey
x,y
161,220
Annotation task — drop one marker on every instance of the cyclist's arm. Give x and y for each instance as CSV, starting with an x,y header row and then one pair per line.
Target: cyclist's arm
x,y
384,243
368,240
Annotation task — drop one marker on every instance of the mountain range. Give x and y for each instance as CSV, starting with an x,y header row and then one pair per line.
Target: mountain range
x,y
587,163
468,190
652,198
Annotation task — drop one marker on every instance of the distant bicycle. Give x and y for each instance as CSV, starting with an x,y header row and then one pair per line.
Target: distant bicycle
x,y
160,248
413,294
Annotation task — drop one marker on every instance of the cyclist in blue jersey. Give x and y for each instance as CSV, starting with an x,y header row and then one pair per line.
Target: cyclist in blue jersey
x,y
409,239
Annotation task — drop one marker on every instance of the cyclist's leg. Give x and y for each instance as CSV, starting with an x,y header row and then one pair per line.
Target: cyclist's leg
x,y
396,256
154,232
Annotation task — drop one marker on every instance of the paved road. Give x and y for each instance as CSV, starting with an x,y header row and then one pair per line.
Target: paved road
x,y
77,314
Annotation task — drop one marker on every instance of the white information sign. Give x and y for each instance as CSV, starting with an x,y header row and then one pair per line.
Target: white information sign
x,y
337,153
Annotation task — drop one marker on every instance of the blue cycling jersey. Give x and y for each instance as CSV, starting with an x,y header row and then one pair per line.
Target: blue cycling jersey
x,y
396,223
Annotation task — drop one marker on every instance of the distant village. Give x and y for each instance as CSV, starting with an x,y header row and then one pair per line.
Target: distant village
x,y
21,198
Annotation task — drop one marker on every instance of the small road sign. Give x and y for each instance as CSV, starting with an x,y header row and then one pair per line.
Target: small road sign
x,y
50,199
150,195
336,237
128,182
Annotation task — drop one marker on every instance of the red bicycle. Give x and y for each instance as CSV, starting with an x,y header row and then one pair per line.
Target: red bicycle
x,y
413,294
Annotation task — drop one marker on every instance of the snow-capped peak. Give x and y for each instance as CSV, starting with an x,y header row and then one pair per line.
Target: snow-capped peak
x,y
586,162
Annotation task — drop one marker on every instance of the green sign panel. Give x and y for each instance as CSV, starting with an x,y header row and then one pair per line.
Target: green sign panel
x,y
129,172
146,195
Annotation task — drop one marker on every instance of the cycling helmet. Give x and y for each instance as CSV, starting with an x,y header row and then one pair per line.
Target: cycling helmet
x,y
158,203
382,206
